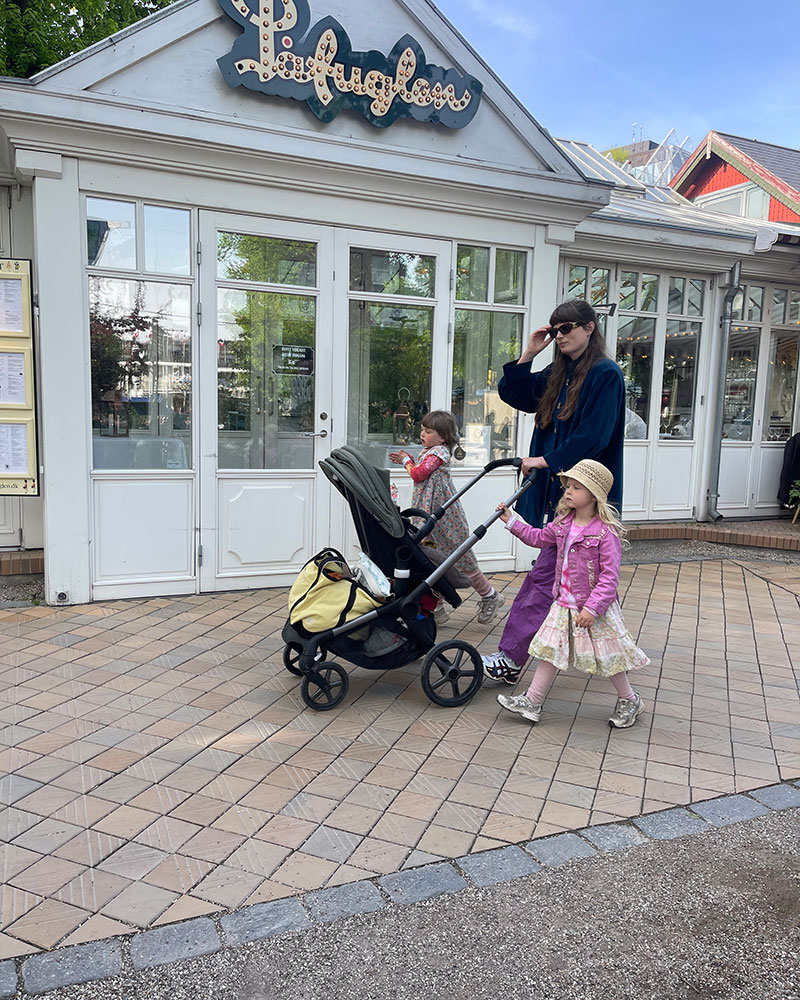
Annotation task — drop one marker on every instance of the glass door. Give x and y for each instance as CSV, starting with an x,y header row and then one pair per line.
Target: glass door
x,y
265,377
396,306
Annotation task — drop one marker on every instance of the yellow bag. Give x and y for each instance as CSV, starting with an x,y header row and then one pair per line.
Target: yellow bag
x,y
325,596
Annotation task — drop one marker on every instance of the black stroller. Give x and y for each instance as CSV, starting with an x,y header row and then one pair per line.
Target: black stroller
x,y
453,671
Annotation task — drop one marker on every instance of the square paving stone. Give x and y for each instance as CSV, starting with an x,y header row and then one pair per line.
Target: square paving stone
x,y
264,920
416,884
670,823
778,796
728,809
612,837
561,849
344,901
335,845
13,787
500,865
177,941
69,966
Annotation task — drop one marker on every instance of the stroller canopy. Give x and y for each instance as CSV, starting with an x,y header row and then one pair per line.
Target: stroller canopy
x,y
347,470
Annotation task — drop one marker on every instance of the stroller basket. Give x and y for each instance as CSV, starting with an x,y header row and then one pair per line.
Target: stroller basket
x,y
402,630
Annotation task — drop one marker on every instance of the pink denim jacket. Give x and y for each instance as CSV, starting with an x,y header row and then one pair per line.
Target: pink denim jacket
x,y
594,559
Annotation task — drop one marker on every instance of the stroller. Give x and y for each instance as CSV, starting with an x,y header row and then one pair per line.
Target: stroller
x,y
402,630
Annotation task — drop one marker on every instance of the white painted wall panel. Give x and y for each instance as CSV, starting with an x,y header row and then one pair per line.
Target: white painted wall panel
x,y
265,525
634,489
766,490
143,529
673,480
734,476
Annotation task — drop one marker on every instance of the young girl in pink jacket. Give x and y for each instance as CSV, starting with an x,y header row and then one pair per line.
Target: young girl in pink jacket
x,y
584,628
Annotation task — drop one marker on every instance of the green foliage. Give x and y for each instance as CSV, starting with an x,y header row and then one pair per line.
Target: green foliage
x,y
35,34
794,492
619,154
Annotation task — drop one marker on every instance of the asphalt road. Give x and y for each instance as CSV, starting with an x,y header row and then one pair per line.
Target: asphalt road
x,y
709,917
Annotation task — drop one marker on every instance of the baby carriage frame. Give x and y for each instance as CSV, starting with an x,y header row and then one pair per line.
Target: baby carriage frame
x,y
400,631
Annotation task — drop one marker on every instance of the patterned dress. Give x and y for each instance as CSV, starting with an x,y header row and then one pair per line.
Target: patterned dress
x,y
432,488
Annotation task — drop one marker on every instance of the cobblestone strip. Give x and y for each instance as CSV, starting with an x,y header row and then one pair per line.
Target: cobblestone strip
x,y
105,959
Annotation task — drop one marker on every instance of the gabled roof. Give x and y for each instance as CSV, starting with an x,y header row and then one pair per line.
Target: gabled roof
x,y
776,169
128,67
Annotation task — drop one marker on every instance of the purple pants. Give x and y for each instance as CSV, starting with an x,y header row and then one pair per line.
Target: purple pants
x,y
530,607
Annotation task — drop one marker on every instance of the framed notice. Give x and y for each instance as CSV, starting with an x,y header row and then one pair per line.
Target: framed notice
x,y
19,460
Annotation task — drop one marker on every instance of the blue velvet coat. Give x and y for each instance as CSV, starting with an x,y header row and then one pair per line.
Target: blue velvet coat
x,y
596,429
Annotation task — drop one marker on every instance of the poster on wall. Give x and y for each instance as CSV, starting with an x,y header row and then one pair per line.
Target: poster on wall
x,y
19,461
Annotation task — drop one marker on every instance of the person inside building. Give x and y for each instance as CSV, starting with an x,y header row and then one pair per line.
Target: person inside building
x,y
579,402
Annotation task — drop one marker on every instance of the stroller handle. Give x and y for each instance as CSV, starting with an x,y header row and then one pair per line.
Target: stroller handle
x,y
436,515
465,546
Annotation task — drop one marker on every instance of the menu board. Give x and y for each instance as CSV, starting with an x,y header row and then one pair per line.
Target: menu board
x,y
19,461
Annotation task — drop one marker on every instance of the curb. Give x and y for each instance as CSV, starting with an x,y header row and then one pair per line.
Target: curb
x,y
104,959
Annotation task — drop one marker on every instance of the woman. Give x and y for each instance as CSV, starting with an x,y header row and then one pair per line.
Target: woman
x,y
579,402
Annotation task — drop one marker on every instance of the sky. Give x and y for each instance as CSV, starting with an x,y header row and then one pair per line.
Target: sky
x,y
589,69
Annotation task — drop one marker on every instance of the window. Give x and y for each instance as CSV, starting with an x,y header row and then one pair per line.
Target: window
x,y
781,386
489,325
390,346
140,334
740,383
635,342
748,200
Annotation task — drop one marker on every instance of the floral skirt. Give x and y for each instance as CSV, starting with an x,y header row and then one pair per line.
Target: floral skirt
x,y
605,649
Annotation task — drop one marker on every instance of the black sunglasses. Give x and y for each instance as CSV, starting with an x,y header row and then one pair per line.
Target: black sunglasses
x,y
564,328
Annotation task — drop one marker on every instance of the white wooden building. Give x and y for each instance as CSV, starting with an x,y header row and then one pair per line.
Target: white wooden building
x,y
228,285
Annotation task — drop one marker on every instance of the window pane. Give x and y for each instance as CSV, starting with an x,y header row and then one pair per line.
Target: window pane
x,y
265,379
472,274
509,277
166,240
244,257
649,293
740,384
577,282
390,377
755,303
677,287
635,358
794,306
781,387
392,273
677,387
779,296
141,374
737,310
694,304
484,342
599,291
111,233
627,289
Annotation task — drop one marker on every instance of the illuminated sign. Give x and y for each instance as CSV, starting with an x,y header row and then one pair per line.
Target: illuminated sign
x,y
278,54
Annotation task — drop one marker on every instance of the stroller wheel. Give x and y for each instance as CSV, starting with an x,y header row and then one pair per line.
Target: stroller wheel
x,y
323,689
292,652
452,673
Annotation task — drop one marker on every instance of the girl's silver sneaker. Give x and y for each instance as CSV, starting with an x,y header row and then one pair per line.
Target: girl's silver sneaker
x,y
520,704
627,712
489,607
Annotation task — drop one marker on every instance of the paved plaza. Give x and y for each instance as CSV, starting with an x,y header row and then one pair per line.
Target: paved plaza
x,y
159,763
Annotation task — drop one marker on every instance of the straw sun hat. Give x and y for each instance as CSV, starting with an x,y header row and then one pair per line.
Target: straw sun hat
x,y
594,476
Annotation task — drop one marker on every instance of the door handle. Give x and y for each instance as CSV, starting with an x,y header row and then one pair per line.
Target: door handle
x,y
311,434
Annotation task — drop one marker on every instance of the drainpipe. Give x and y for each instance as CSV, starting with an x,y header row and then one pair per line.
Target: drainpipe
x,y
719,413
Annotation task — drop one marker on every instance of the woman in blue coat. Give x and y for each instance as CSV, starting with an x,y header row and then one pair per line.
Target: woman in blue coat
x,y
579,402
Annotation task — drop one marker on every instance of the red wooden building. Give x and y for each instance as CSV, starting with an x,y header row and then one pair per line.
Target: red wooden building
x,y
758,180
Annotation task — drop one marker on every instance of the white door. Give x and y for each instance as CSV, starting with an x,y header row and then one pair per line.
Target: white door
x,y
265,375
393,299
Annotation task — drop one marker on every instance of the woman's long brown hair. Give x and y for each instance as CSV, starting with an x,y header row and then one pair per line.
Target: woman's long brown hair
x,y
573,311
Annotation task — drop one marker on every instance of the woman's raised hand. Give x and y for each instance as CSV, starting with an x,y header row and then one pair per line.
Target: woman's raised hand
x,y
537,342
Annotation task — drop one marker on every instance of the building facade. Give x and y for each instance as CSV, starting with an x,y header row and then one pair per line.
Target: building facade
x,y
240,264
